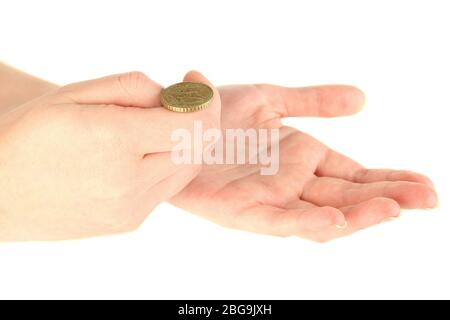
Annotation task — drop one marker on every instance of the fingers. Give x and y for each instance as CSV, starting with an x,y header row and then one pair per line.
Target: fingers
x,y
325,191
144,129
306,220
132,89
195,76
168,185
288,222
320,101
337,165
160,130
368,213
360,216
173,184
374,175
155,168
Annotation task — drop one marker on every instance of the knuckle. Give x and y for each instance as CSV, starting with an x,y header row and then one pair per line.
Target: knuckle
x,y
360,175
136,76
269,102
131,81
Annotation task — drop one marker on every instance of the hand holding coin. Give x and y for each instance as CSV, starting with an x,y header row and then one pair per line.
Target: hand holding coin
x,y
94,158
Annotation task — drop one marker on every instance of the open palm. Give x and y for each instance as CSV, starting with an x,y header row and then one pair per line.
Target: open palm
x,y
318,193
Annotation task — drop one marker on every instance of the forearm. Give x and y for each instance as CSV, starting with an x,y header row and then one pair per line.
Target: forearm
x,y
17,87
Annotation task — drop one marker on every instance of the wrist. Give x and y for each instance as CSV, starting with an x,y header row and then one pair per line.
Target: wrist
x,y
17,88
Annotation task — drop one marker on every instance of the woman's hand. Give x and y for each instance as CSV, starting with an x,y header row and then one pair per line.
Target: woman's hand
x,y
91,158
318,193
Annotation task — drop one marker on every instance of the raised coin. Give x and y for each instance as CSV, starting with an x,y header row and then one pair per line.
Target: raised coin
x,y
187,97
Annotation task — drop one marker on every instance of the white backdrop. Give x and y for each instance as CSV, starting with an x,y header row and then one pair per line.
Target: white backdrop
x,y
396,51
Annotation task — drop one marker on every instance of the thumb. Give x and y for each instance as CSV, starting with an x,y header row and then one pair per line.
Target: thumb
x,y
152,128
214,108
133,89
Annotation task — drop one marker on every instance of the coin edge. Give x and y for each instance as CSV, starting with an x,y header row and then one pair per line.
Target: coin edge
x,y
186,109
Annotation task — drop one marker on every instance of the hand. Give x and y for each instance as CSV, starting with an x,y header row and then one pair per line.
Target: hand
x,y
91,158
17,87
318,193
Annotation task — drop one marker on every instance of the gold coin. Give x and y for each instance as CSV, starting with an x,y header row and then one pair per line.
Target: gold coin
x,y
187,97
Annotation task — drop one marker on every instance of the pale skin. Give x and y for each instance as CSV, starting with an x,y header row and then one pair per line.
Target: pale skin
x,y
91,158
318,193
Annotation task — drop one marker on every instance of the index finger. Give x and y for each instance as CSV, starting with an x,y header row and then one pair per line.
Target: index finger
x,y
317,101
151,129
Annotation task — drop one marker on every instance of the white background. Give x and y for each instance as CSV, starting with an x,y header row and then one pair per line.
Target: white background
x,y
397,51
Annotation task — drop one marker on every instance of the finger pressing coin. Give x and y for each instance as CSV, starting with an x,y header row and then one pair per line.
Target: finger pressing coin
x,y
187,97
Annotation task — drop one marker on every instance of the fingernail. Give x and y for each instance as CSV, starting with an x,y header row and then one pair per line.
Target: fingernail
x,y
342,226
